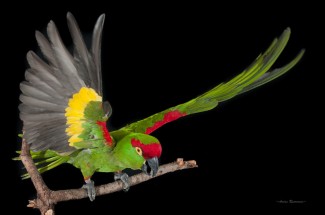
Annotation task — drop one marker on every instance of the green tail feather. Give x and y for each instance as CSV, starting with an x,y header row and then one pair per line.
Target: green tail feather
x,y
45,160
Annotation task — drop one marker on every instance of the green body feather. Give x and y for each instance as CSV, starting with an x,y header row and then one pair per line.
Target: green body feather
x,y
104,159
98,158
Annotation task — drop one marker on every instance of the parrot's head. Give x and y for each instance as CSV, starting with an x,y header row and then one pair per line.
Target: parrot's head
x,y
137,150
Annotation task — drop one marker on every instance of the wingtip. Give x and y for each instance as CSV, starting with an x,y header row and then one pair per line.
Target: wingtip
x,y
101,18
284,37
70,17
51,28
39,36
29,54
288,29
37,33
301,53
51,24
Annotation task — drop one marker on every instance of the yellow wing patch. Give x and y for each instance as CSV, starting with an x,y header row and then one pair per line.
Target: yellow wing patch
x,y
75,112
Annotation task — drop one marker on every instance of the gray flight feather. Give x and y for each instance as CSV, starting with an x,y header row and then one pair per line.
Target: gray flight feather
x,y
39,117
37,64
41,104
64,58
42,81
81,54
43,87
96,51
30,90
46,49
52,80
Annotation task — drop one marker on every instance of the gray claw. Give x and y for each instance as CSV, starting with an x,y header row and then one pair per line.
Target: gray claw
x,y
90,187
144,169
124,178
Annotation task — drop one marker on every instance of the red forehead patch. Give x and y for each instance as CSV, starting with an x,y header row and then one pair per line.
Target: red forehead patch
x,y
148,150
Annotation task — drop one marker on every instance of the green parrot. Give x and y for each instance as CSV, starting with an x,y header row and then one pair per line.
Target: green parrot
x,y
64,115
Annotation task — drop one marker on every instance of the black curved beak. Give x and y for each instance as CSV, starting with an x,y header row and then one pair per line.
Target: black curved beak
x,y
153,164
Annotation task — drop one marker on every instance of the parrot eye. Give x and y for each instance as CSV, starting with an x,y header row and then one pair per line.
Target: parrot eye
x,y
139,151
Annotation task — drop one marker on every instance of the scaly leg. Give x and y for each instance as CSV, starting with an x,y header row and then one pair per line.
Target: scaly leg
x,y
124,178
90,187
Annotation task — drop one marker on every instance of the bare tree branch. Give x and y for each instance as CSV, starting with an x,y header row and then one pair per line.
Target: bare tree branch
x,y
43,192
46,198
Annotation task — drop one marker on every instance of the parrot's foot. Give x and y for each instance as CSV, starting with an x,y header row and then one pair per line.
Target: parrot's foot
x,y
124,178
90,187
144,169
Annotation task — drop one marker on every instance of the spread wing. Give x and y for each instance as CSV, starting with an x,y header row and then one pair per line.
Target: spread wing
x,y
257,74
59,86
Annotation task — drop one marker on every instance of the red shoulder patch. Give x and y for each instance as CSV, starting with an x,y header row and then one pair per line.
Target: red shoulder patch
x,y
168,117
107,136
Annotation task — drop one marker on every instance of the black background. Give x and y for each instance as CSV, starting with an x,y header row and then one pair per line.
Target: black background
x,y
253,151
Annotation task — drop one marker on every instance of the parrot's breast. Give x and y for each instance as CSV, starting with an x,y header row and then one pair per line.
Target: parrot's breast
x,y
95,160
